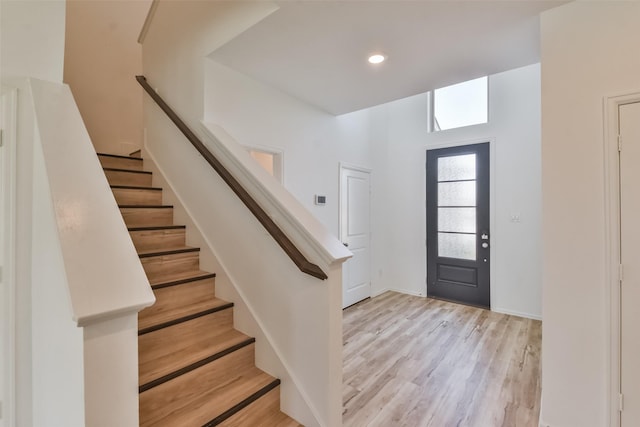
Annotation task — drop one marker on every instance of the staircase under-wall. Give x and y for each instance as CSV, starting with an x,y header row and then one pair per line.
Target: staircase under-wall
x,y
195,369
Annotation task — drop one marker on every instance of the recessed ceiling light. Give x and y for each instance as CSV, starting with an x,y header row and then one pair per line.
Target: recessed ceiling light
x,y
376,58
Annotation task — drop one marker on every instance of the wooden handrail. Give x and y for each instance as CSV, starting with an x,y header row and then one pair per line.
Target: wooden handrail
x,y
287,245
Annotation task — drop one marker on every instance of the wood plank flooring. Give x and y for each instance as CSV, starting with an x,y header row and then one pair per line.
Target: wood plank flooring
x,y
411,361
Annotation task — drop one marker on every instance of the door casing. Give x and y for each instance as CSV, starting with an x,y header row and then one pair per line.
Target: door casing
x,y
342,215
8,123
612,244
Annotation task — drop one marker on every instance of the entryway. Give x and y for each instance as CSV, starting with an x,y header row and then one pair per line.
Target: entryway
x,y
458,245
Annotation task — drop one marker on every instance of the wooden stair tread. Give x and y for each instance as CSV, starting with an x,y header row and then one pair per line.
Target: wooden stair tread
x,y
159,227
127,170
145,253
170,349
135,195
134,187
145,206
171,278
200,396
119,156
177,314
264,412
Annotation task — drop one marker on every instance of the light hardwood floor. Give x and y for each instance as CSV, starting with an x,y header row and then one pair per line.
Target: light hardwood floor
x,y
411,361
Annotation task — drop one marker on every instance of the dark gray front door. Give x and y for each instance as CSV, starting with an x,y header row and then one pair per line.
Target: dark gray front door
x,y
458,224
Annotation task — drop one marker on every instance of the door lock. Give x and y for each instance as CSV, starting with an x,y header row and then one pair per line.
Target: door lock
x,y
485,245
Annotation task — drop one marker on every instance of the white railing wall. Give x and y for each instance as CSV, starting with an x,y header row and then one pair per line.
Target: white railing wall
x,y
87,281
296,318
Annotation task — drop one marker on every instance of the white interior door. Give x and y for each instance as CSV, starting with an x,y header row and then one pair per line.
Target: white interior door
x,y
355,233
629,115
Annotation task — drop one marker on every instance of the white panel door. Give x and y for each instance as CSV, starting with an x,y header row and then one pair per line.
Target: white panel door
x,y
630,259
355,234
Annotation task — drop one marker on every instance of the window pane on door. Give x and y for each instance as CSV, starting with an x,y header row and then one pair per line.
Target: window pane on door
x,y
454,245
456,168
457,193
460,220
456,206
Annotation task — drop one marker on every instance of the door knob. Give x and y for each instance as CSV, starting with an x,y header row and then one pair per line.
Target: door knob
x,y
345,244
485,245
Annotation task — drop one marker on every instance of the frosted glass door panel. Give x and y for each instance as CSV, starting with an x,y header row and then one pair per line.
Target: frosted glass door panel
x,y
453,245
457,193
458,220
457,168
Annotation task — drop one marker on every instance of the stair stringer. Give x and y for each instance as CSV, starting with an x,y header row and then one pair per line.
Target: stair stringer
x,y
293,400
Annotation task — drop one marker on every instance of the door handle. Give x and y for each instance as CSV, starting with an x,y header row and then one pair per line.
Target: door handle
x,y
345,244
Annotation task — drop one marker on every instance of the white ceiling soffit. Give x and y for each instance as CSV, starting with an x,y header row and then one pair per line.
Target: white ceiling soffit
x,y
317,50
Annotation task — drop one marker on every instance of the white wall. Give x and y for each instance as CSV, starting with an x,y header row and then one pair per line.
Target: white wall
x,y
399,194
31,44
32,38
589,51
313,141
57,349
102,57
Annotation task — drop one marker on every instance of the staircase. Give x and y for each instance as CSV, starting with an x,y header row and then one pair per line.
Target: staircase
x,y
195,369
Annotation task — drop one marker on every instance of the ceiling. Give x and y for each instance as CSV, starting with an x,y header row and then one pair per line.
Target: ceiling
x,y
317,51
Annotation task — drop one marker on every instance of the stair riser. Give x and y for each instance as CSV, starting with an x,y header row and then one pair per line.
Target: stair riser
x,y
185,342
163,405
120,163
155,239
264,411
167,299
147,217
128,178
126,196
175,263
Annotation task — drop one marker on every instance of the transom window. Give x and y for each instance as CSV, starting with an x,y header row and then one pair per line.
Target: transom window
x,y
459,105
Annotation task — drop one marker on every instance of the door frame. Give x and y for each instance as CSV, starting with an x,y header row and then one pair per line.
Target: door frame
x,y
9,192
492,199
612,245
351,166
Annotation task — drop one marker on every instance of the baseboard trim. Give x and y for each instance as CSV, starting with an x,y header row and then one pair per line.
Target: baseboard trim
x,y
495,309
400,291
516,313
